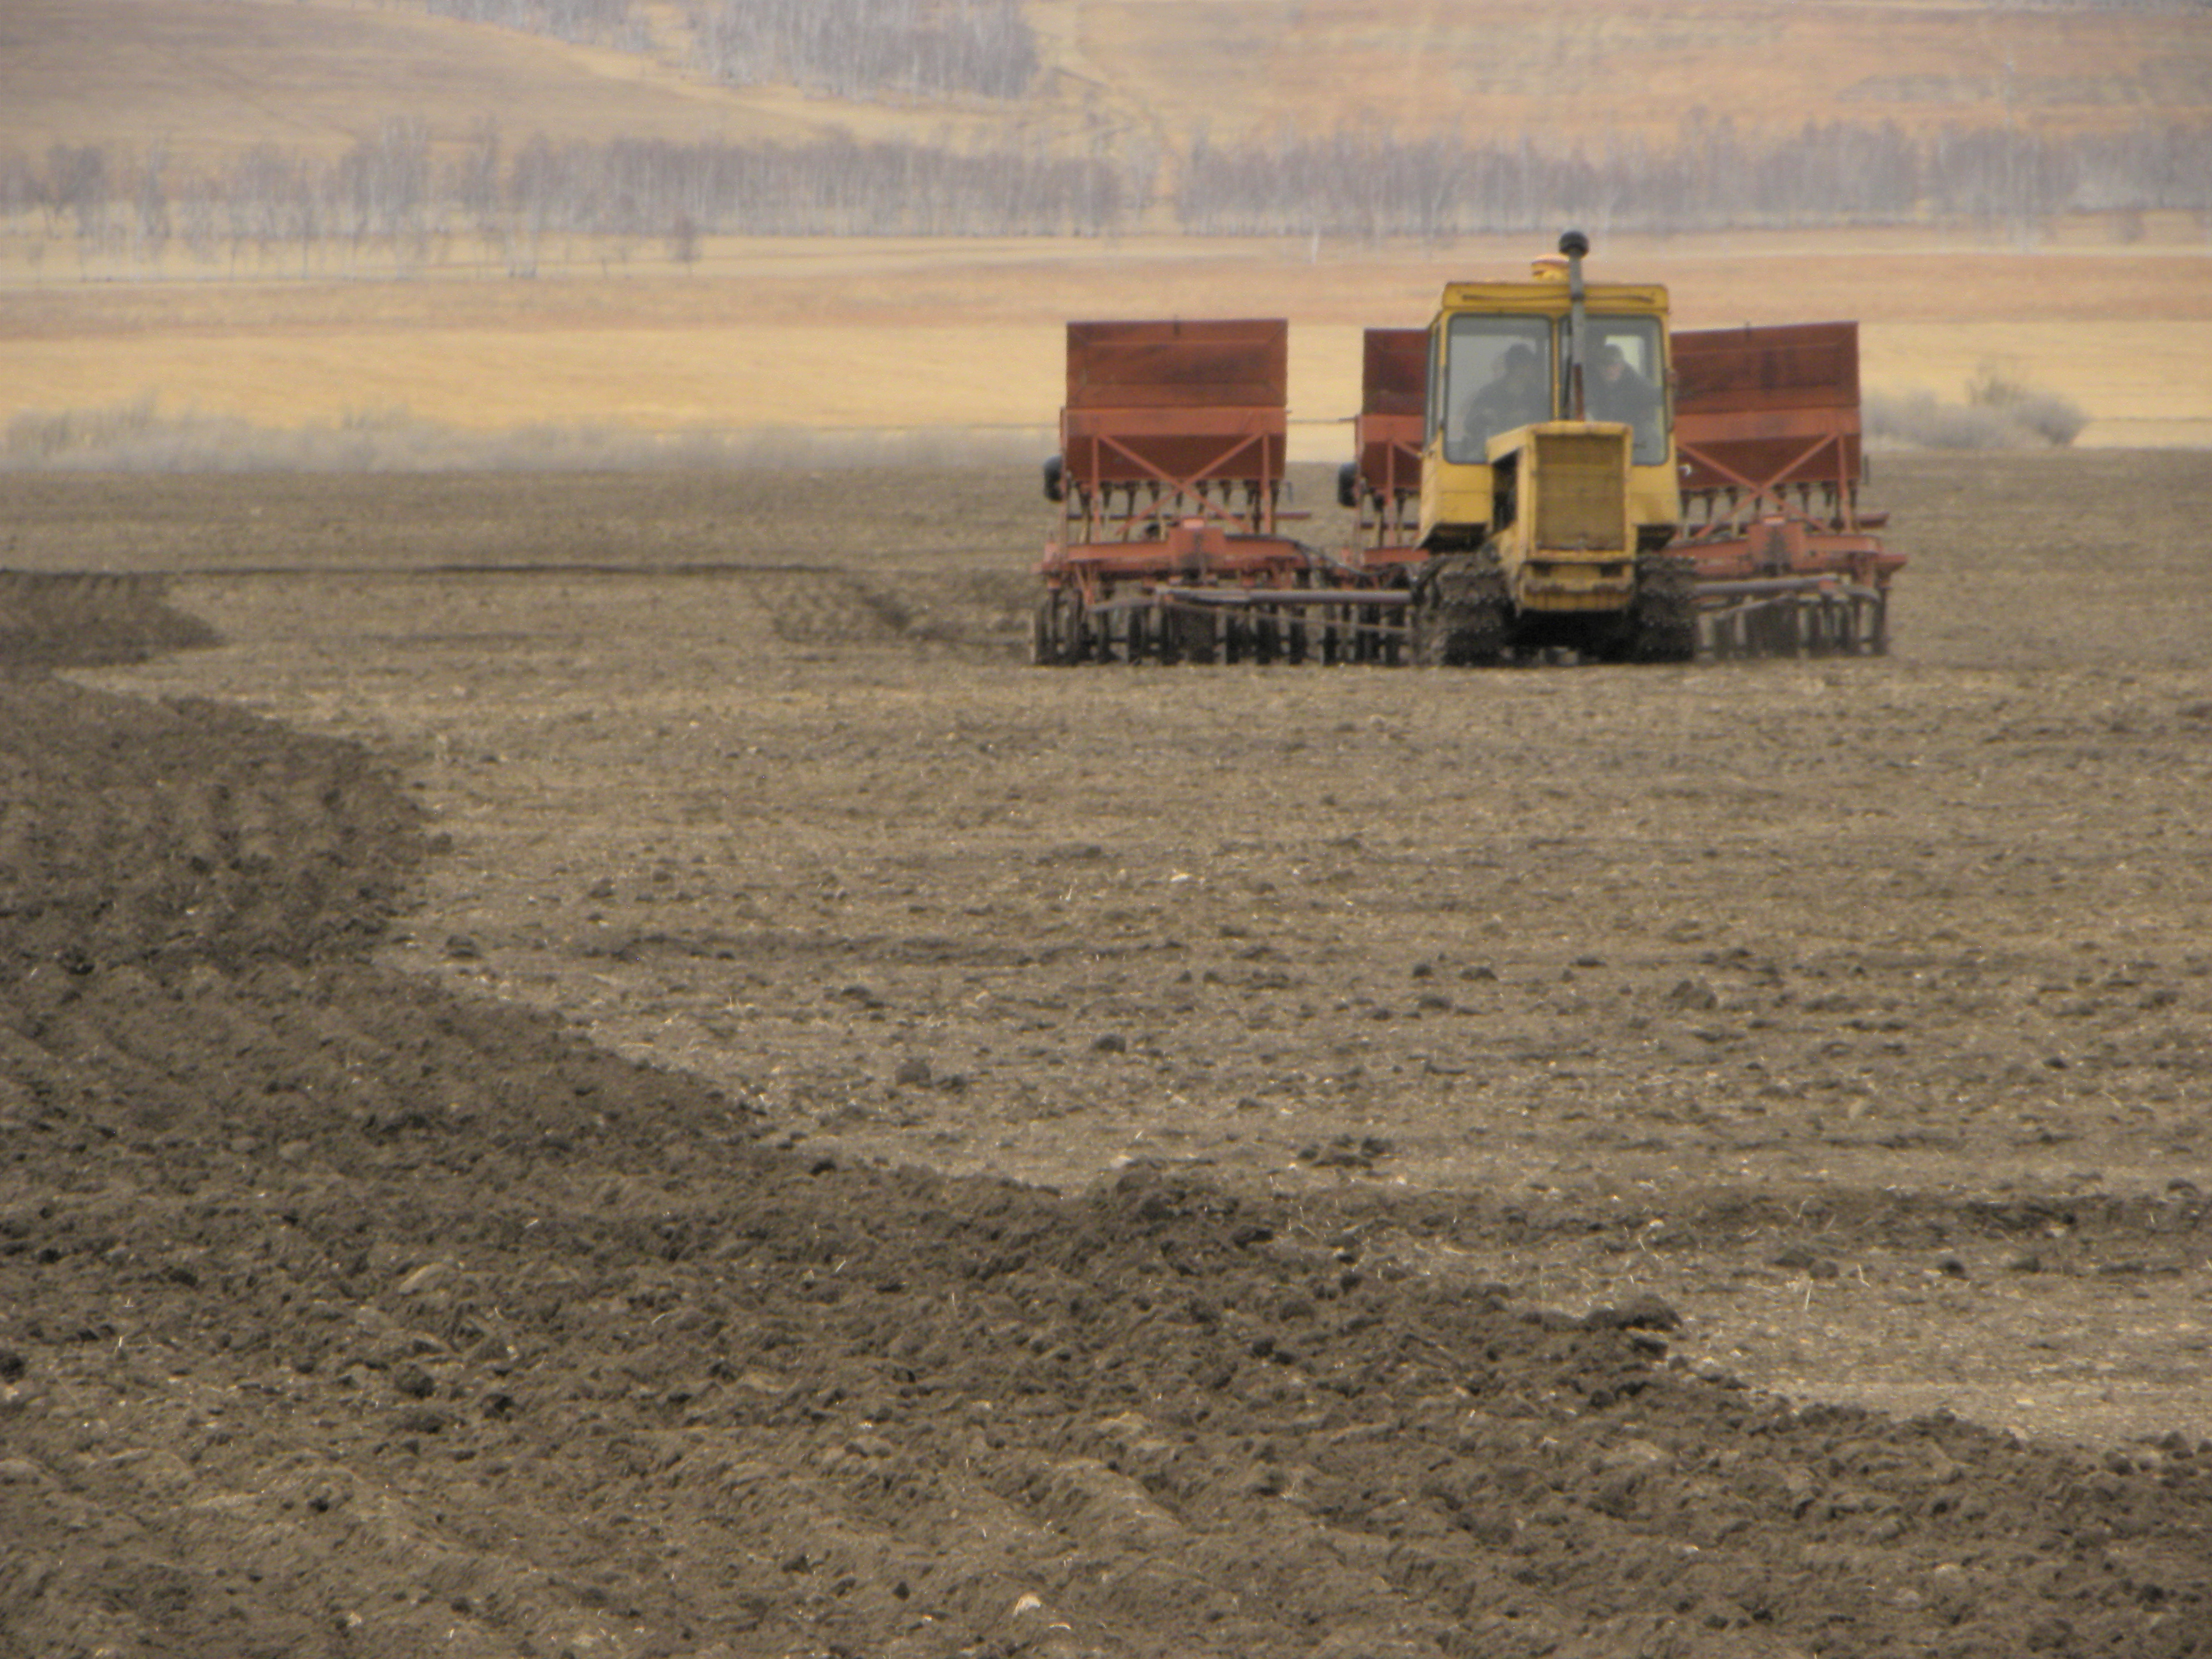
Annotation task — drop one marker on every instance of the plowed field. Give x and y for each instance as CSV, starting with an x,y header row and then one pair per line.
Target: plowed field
x,y
610,1072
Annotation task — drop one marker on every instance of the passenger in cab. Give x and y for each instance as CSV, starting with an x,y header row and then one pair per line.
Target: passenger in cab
x,y
1618,392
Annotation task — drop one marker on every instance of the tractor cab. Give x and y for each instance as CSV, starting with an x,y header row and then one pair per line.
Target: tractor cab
x,y
1509,357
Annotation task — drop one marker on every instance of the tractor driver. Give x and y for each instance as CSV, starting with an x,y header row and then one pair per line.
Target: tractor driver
x,y
1514,397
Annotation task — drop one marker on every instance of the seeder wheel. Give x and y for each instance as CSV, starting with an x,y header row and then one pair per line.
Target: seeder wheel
x,y
1056,629
1044,624
1193,630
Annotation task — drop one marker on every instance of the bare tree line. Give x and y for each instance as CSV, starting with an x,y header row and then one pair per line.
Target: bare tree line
x,y
854,48
850,48
398,200
395,198
1712,177
586,23
837,187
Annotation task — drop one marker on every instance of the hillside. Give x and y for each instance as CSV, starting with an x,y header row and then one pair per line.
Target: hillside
x,y
1608,70
201,77
207,78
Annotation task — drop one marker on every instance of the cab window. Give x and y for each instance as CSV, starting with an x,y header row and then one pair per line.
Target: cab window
x,y
1498,375
1626,380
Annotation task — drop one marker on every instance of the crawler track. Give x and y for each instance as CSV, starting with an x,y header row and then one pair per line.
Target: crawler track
x,y
1664,624
1460,611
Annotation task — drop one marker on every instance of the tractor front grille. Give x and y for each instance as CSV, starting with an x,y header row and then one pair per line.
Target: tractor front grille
x,y
1581,490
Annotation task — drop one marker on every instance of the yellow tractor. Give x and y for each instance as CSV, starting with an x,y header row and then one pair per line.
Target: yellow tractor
x,y
1549,489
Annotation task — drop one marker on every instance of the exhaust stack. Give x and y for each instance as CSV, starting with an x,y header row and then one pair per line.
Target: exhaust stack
x,y
1574,244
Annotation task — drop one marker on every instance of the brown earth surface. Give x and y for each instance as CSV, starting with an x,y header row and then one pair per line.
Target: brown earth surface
x,y
611,1072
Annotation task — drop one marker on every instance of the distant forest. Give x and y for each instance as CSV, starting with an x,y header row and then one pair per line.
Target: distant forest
x,y
584,22
1710,178
850,48
398,200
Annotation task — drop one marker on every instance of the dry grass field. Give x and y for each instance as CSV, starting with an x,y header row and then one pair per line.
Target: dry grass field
x,y
874,336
